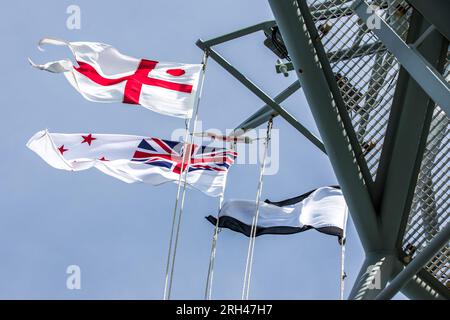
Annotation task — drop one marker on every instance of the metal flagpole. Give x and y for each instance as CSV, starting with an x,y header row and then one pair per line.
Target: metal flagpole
x,y
251,247
344,239
248,259
212,256
169,279
174,218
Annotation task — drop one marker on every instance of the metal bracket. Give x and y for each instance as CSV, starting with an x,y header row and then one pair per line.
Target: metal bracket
x,y
266,112
271,103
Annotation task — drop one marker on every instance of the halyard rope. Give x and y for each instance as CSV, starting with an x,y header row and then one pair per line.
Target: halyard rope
x,y
343,240
212,257
251,244
171,264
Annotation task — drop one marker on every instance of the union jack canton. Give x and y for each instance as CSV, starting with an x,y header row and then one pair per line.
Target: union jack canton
x,y
169,154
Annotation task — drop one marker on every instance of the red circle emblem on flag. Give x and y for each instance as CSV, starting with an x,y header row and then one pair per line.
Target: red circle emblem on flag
x,y
176,72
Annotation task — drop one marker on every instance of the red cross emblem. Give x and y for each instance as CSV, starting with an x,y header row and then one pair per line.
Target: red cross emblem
x,y
135,81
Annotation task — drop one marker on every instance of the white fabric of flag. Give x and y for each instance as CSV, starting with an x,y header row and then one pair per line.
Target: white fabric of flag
x,y
103,74
323,209
137,159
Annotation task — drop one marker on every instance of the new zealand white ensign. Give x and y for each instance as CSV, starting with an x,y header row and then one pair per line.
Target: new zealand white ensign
x,y
137,159
104,74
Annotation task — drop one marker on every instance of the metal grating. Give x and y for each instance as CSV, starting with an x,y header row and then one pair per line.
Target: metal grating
x,y
367,74
367,77
430,206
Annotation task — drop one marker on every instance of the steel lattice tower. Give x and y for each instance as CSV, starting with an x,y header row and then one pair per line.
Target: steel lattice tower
x,y
376,76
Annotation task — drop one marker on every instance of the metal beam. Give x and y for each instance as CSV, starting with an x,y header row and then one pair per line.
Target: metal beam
x,y
266,112
402,153
261,116
262,95
421,70
342,55
434,14
424,286
373,276
298,41
266,25
356,52
239,33
327,4
331,9
440,240
341,106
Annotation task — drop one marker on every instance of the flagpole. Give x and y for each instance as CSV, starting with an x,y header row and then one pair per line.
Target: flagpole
x,y
169,279
174,217
269,129
344,238
251,248
212,256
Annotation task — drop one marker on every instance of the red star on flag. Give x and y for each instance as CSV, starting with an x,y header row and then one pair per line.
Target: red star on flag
x,y
88,139
62,150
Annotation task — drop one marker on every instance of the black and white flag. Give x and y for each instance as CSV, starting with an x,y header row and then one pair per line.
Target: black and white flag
x,y
323,209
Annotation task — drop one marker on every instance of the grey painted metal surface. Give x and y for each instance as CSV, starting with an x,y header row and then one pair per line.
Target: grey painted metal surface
x,y
315,86
405,153
342,55
375,273
318,59
334,88
375,105
424,286
429,211
421,70
239,33
417,263
434,13
266,112
262,95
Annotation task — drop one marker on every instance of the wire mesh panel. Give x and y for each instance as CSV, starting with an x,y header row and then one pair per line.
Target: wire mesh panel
x,y
365,71
430,206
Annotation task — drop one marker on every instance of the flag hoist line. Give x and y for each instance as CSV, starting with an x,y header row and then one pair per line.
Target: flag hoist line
x,y
252,238
176,219
212,256
343,240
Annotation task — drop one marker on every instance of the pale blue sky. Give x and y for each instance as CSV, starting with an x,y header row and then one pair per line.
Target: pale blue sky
x,y
118,233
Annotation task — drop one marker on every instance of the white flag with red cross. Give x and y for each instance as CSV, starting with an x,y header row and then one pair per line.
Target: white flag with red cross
x,y
137,159
104,74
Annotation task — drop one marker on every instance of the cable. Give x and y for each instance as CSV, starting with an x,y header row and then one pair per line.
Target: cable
x,y
344,239
174,216
212,256
169,279
251,246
